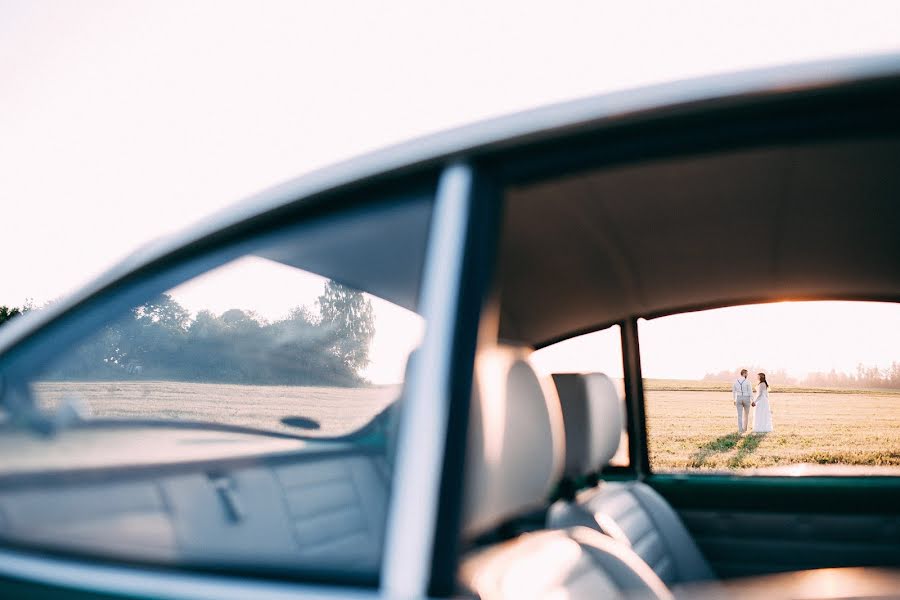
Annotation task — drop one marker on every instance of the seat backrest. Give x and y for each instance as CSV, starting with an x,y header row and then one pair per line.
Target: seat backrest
x,y
514,457
631,513
516,443
577,563
592,417
592,414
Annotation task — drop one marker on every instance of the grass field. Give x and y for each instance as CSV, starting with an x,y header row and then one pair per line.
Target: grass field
x,y
331,411
693,425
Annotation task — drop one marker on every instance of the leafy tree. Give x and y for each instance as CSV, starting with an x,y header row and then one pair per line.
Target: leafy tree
x,y
165,312
160,340
299,352
8,312
865,377
349,323
204,347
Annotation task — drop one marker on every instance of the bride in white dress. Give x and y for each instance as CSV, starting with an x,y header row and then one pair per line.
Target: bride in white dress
x,y
762,417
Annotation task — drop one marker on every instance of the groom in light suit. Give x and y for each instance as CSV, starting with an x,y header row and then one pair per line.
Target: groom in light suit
x,y
742,390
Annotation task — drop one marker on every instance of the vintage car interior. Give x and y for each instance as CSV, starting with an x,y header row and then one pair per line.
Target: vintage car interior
x,y
772,221
751,200
215,495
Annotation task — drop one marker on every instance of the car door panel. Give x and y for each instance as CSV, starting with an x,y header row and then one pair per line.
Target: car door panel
x,y
305,514
748,526
129,519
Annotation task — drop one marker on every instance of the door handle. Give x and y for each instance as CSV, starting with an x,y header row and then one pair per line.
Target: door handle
x,y
226,491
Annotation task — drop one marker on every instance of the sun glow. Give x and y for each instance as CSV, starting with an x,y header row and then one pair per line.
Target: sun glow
x,y
794,336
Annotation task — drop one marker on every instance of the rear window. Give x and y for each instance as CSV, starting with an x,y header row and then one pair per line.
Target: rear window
x,y
597,352
821,392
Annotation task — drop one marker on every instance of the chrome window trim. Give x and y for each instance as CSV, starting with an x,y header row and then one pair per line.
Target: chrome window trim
x,y
412,516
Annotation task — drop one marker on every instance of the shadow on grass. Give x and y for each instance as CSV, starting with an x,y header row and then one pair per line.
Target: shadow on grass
x,y
747,446
717,446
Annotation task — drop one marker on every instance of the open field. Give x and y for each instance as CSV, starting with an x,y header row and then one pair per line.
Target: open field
x,y
336,411
696,428
691,424
685,385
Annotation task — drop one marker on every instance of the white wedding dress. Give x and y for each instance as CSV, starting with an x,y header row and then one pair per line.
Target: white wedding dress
x,y
762,417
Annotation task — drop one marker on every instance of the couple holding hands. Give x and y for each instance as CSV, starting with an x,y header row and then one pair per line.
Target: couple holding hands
x,y
742,390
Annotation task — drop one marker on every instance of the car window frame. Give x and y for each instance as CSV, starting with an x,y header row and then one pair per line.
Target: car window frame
x,y
635,405
449,187
720,475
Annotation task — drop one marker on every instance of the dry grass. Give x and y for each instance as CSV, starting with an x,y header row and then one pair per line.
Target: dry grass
x,y
690,426
685,385
337,411
696,429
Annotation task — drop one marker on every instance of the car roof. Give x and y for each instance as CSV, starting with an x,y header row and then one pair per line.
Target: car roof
x,y
807,219
533,125
481,137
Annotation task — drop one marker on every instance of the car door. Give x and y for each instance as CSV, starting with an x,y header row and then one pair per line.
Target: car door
x,y
823,488
233,415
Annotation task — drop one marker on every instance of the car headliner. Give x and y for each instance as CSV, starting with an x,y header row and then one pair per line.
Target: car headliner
x,y
814,220
465,142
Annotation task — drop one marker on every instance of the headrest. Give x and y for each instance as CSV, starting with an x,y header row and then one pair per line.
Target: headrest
x,y
592,413
515,449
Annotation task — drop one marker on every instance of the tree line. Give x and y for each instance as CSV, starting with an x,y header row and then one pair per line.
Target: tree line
x,y
8,312
327,344
866,377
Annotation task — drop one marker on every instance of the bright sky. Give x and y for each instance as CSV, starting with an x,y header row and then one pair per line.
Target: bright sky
x,y
799,337
272,289
124,120
599,352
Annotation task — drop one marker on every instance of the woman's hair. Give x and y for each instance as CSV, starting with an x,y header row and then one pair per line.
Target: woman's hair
x,y
762,379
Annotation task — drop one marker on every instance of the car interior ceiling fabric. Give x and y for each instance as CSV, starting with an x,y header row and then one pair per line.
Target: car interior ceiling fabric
x,y
631,513
515,455
766,223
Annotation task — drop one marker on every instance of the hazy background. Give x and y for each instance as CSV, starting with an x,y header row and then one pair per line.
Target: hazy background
x,y
120,121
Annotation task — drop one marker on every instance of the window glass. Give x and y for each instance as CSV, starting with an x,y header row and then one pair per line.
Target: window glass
x,y
245,416
830,404
254,343
597,352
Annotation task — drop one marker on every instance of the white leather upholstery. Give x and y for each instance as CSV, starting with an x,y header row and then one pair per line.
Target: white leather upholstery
x,y
592,413
515,447
515,456
577,563
634,514
631,513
